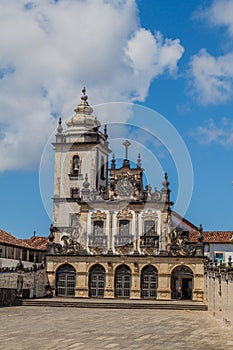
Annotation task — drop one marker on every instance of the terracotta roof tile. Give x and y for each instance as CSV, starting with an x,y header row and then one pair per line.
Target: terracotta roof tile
x,y
212,236
37,243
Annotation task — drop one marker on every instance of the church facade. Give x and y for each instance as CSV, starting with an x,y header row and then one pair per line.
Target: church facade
x,y
112,237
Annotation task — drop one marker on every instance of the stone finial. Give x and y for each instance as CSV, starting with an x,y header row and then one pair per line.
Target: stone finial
x,y
83,107
59,128
200,235
113,162
165,182
84,97
20,266
51,235
105,132
86,183
139,164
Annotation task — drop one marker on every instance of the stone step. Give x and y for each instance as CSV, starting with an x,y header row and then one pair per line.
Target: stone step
x,y
168,305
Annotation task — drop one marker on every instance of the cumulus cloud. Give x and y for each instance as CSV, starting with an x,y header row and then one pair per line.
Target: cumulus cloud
x,y
213,132
149,56
219,13
212,77
50,49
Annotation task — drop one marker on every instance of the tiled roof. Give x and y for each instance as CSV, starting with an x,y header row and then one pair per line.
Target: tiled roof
x,y
37,243
212,236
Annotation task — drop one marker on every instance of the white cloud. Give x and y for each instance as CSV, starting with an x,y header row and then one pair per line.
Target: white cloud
x,y
149,56
50,49
212,77
220,133
220,14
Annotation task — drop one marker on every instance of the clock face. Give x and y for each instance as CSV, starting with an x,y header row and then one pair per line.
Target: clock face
x,y
124,188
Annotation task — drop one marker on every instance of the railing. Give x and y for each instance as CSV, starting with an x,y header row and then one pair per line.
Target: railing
x,y
98,241
149,241
123,240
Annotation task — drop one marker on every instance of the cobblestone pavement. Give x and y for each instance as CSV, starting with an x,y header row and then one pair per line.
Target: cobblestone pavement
x,y
52,328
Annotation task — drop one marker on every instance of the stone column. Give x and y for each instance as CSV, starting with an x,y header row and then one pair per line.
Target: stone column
x,y
135,292
114,229
108,229
164,283
109,282
139,230
133,229
88,229
82,281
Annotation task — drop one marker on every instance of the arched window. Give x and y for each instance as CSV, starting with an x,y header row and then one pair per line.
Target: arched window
x,y
65,281
122,281
102,169
149,282
181,283
75,192
96,281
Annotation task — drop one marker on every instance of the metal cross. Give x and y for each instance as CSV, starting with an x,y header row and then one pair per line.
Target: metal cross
x,y
126,144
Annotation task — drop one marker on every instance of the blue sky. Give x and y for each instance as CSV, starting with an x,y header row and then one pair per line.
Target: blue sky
x,y
174,57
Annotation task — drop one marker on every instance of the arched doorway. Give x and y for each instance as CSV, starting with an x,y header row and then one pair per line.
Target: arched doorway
x,y
122,281
96,281
65,281
149,282
181,283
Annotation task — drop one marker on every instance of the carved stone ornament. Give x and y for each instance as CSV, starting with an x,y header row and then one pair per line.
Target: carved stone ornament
x,y
157,195
150,250
150,215
178,244
97,250
124,214
98,215
70,247
126,249
124,188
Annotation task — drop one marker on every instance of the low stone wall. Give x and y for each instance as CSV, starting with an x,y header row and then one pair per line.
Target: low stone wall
x,y
218,292
28,282
7,296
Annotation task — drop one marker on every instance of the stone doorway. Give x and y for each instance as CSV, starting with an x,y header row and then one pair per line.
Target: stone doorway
x,y
122,282
65,281
96,281
149,282
181,283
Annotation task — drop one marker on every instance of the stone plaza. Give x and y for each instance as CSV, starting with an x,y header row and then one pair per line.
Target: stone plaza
x,y
54,328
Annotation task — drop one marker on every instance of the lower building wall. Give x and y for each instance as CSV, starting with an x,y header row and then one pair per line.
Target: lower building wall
x,y
163,265
7,296
28,284
218,295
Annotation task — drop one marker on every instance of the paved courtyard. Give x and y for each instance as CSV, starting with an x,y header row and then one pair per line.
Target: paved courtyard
x,y
33,328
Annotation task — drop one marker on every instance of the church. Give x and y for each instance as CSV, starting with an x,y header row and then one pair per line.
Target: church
x,y
113,237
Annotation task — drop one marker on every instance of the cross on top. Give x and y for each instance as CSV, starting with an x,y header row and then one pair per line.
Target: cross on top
x,y
126,144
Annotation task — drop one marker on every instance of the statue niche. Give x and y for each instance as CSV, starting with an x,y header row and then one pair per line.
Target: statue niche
x,y
76,165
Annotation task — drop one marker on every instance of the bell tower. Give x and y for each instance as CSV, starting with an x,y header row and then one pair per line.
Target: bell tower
x,y
81,162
